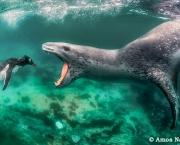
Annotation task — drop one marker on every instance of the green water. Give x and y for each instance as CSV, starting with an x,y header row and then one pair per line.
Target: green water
x,y
94,113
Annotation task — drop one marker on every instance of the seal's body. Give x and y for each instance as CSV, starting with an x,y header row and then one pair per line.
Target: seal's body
x,y
154,58
7,67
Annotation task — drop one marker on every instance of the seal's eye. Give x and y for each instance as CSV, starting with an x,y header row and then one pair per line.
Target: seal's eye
x,y
66,48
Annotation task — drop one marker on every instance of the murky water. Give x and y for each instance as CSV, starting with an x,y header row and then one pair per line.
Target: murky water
x,y
33,111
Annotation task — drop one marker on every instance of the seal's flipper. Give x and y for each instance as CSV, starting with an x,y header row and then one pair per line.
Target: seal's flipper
x,y
164,82
172,98
7,77
174,78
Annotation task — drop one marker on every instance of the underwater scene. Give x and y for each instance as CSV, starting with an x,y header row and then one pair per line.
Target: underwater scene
x,y
33,111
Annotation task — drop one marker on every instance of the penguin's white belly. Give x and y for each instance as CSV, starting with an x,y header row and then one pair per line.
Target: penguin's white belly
x,y
15,69
3,72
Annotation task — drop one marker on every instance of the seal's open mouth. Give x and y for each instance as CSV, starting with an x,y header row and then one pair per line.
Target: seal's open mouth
x,y
64,68
63,74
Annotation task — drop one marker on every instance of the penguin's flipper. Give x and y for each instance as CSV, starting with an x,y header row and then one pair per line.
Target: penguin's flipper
x,y
7,77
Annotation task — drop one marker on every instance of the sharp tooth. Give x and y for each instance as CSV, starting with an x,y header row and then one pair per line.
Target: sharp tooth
x,y
56,84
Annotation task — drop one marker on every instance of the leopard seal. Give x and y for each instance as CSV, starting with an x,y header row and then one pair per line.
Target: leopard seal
x,y
11,65
153,58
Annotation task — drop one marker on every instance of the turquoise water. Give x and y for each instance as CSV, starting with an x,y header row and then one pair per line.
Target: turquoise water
x,y
91,113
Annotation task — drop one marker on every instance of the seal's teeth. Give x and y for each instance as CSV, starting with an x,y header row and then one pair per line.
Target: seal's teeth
x,y
56,84
48,52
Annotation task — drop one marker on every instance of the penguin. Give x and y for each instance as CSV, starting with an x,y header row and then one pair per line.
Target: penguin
x,y
11,65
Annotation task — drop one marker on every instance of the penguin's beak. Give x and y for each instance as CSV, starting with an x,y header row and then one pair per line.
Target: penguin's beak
x,y
33,65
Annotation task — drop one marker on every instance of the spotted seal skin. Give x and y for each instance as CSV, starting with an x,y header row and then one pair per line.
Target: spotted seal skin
x,y
153,58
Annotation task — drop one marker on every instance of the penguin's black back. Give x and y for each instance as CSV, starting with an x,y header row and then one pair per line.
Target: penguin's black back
x,y
12,62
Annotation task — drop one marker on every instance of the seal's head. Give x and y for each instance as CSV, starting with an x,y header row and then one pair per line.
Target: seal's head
x,y
69,54
25,60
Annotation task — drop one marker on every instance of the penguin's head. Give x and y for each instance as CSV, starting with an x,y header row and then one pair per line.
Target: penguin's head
x,y
25,60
